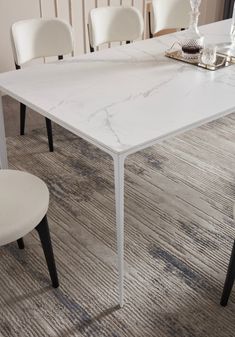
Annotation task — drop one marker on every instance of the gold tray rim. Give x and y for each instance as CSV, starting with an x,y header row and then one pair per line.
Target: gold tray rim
x,y
227,60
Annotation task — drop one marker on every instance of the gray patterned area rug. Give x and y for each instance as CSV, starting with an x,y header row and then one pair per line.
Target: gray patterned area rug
x,y
179,233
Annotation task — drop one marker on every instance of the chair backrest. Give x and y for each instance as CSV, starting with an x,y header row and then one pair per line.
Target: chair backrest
x,y
169,14
114,24
36,38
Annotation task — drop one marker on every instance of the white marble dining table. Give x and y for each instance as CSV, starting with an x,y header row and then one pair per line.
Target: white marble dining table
x,y
125,99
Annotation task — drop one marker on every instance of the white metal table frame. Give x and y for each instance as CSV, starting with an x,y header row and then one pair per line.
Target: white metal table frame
x,y
119,161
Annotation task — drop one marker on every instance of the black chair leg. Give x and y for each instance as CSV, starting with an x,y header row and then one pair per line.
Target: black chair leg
x,y
20,243
49,134
229,279
22,118
150,28
44,234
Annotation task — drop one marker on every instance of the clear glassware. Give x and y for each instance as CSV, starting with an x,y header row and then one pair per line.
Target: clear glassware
x,y
228,48
193,41
232,31
208,55
195,4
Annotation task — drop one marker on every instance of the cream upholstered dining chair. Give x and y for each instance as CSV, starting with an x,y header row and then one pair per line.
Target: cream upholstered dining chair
x,y
37,38
114,24
230,277
24,201
169,14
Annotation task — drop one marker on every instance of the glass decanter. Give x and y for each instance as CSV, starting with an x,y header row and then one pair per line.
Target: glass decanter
x,y
232,31
228,48
193,41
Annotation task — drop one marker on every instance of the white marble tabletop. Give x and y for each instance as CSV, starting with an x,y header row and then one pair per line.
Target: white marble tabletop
x,y
126,98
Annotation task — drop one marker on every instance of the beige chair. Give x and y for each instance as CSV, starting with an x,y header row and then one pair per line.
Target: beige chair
x,y
114,24
36,38
24,201
169,14
230,277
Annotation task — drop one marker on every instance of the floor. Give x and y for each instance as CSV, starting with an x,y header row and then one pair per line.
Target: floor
x,y
178,237
12,118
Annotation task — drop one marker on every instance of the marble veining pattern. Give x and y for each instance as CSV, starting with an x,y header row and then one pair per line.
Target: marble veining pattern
x,y
128,96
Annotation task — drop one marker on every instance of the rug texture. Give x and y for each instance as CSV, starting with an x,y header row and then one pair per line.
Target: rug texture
x,y
178,238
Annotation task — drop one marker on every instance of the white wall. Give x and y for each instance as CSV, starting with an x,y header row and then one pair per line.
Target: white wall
x,y
75,11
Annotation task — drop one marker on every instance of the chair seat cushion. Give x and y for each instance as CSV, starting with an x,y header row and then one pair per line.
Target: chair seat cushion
x,y
24,201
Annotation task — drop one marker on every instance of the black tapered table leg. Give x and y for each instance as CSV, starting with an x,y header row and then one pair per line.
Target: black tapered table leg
x,y
229,279
22,118
49,134
44,234
20,243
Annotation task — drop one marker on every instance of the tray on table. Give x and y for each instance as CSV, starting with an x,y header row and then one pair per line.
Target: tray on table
x,y
222,60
